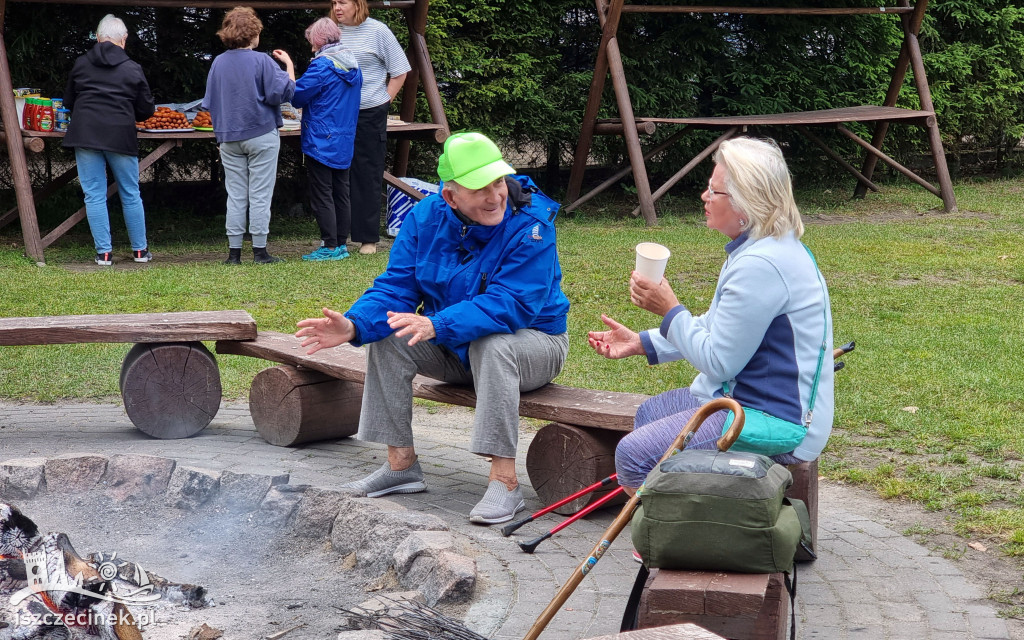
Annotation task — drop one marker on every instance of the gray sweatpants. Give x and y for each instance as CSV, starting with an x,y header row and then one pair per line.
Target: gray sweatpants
x,y
502,366
250,171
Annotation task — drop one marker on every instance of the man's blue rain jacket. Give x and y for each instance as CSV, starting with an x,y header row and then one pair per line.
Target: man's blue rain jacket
x,y
328,94
471,280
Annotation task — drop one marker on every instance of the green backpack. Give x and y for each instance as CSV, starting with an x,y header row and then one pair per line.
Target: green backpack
x,y
719,511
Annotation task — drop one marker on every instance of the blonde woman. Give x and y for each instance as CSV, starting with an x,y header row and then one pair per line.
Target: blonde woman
x,y
384,66
761,340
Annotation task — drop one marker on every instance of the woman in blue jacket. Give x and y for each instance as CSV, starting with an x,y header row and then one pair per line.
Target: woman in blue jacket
x,y
328,93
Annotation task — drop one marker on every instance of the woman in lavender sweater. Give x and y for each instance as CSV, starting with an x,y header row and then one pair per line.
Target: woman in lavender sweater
x,y
244,91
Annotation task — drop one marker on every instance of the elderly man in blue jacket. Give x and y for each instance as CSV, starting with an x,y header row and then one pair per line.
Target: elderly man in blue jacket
x,y
471,295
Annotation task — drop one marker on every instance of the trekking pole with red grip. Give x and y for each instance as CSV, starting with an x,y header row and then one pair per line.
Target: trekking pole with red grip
x,y
509,528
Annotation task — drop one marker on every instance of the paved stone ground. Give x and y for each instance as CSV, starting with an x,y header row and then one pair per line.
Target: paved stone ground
x,y
869,581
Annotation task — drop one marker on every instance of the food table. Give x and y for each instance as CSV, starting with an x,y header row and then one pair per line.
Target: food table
x,y
171,139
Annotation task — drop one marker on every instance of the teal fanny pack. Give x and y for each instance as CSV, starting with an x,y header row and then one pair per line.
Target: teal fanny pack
x,y
765,434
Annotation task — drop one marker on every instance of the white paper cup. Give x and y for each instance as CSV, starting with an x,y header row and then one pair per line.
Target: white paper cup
x,y
651,259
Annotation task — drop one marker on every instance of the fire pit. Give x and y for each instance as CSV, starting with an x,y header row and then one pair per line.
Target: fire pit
x,y
248,554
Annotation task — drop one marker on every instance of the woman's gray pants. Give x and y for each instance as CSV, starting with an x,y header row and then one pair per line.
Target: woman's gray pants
x,y
250,171
501,366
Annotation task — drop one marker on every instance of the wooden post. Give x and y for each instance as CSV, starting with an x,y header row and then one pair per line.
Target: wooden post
x,y
636,153
889,161
610,24
899,74
408,109
16,153
624,170
934,138
836,157
678,175
290,406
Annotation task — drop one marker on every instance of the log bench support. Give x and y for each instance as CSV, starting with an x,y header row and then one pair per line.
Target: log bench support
x,y
291,405
170,389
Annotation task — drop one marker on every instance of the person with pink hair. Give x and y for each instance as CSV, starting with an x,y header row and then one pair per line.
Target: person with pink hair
x,y
328,93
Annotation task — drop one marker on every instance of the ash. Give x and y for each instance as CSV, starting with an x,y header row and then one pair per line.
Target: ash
x,y
255,580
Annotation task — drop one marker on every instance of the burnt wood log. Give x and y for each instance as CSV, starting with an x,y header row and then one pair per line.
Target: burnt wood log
x,y
290,406
131,327
742,606
562,459
170,390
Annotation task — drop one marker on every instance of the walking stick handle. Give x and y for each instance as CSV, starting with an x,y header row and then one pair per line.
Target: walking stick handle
x,y
626,514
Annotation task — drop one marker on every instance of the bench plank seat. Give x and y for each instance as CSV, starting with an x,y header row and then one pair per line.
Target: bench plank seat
x,y
601,409
185,326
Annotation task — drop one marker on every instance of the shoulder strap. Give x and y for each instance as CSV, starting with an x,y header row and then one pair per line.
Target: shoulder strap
x,y
824,338
805,528
791,588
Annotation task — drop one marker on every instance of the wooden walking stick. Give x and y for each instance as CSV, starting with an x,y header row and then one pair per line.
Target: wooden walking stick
x,y
626,514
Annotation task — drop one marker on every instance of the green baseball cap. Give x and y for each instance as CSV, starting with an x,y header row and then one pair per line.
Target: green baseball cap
x,y
472,160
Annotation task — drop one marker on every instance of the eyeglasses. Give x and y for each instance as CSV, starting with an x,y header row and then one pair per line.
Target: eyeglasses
x,y
712,193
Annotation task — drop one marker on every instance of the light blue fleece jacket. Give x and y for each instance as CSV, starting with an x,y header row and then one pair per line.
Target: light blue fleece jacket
x,y
762,335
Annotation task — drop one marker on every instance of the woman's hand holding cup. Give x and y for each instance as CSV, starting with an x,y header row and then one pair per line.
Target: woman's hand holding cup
x,y
656,297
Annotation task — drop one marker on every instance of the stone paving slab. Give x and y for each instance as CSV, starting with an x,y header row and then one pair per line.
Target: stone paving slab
x,y
869,581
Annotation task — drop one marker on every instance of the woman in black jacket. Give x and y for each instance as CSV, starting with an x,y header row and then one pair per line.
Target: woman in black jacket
x,y
107,94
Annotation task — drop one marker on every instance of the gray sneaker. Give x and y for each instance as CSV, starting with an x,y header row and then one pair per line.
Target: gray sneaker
x,y
498,504
384,481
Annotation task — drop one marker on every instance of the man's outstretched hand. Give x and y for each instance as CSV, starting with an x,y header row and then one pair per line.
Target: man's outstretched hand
x,y
323,333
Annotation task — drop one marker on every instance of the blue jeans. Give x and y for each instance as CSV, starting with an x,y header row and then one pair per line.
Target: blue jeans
x,y
250,171
92,173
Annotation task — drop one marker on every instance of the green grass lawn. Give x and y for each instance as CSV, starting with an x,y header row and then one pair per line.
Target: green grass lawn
x,y
928,407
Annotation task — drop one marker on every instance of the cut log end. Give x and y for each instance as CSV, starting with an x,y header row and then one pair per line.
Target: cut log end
x,y
170,390
562,459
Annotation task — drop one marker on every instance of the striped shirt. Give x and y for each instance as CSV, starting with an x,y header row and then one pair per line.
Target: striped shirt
x,y
379,56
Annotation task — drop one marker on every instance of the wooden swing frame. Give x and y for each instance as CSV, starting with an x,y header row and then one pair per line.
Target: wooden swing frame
x,y
630,127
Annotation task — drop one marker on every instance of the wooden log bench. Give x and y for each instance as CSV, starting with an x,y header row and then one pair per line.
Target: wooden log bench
x,y
319,396
738,606
316,397
685,631
169,381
